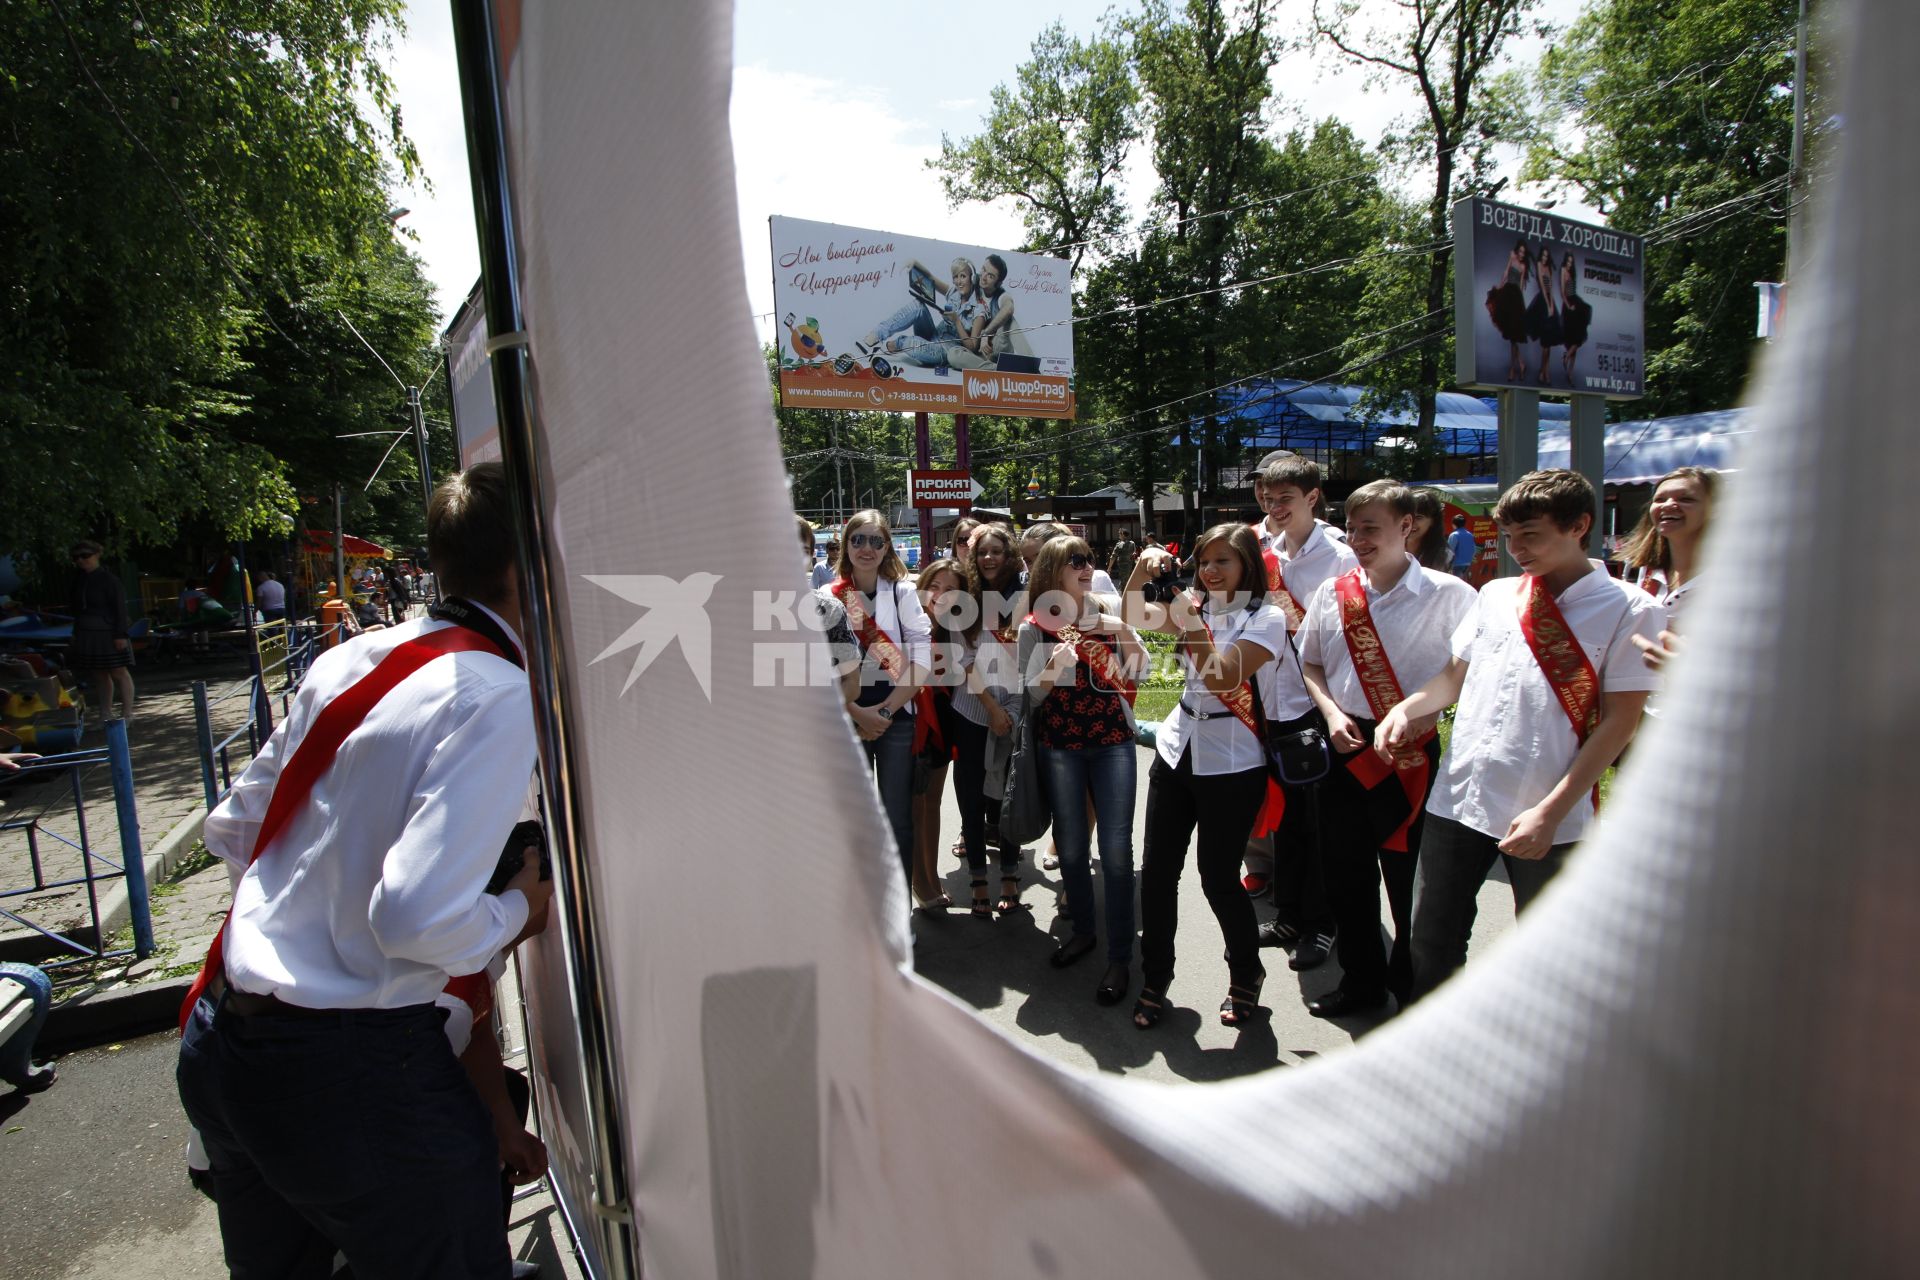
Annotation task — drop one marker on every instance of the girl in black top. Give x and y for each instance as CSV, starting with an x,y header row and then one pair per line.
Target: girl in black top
x,y
100,645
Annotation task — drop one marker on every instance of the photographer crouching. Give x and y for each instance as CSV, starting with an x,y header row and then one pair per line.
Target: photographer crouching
x,y
314,1061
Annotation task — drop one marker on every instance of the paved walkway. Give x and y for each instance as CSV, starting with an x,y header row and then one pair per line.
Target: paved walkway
x,y
167,789
1000,968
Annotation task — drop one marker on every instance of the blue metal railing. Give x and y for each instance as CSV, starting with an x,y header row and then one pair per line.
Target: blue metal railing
x,y
132,865
284,651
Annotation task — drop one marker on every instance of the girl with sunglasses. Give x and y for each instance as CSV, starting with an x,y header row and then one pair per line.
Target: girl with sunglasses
x,y
894,639
1210,768
1082,664
942,588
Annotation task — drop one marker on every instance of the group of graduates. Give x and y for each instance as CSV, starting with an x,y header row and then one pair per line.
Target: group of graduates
x,y
1303,762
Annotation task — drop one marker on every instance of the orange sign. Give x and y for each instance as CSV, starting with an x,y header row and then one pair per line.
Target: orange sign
x,y
979,391
996,391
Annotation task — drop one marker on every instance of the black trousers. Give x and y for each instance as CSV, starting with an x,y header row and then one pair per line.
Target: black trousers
x,y
1299,880
355,1130
1454,861
970,793
520,1093
1354,823
1223,809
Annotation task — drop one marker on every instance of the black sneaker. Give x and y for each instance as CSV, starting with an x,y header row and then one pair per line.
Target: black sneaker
x,y
1311,951
1275,934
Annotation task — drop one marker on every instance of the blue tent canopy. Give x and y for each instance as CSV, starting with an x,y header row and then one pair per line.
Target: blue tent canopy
x,y
1284,413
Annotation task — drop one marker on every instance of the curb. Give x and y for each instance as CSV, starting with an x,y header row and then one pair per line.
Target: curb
x,y
124,1012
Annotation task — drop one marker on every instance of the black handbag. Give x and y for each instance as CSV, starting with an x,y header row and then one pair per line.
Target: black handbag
x,y
1299,757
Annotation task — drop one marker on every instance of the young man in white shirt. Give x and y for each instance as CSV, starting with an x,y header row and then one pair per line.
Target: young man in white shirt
x,y
1550,687
362,839
1300,553
1372,634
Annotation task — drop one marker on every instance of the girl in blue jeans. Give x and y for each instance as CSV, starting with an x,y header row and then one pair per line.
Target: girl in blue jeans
x,y
1081,663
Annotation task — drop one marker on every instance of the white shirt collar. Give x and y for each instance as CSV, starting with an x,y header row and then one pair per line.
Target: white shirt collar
x,y
1413,580
513,632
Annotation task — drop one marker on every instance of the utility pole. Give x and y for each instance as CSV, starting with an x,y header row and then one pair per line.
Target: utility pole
x,y
339,547
1795,173
426,468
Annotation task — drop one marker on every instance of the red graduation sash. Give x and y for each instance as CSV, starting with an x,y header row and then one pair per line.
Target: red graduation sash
x,y
1382,687
1239,700
926,719
1575,684
314,756
1100,658
1277,589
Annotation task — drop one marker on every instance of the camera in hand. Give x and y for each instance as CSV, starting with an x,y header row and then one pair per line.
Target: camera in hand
x,y
525,834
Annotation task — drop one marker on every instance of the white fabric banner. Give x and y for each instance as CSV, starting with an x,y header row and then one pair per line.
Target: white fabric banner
x,y
1695,1057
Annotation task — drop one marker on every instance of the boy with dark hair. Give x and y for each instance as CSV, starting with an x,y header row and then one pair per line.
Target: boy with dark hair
x,y
1550,689
1371,634
1299,554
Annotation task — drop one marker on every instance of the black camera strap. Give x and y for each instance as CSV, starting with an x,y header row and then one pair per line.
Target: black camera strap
x,y
464,613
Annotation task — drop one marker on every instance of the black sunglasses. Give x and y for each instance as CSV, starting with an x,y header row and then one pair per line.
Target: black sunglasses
x,y
867,541
1078,561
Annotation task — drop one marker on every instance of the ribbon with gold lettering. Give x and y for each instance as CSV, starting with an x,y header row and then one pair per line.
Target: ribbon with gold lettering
x,y
877,642
1099,657
1377,680
1277,589
1570,673
1239,700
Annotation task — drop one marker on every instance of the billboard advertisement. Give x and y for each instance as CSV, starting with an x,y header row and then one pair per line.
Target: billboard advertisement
x,y
1546,304
476,426
873,320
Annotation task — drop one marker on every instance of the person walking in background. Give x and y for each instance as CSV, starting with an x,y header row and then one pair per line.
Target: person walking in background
x,y
823,570
1462,547
101,648
270,596
1120,565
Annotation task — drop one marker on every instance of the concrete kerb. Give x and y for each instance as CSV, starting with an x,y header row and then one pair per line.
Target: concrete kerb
x,y
122,1010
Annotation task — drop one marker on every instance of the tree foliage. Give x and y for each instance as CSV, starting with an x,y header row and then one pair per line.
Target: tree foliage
x,y
1676,121
194,191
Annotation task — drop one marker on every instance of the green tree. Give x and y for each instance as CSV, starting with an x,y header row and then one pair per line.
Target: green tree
x,y
1449,52
177,177
1676,121
1054,142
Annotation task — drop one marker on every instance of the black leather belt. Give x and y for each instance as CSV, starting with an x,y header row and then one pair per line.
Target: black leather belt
x,y
246,1004
1206,715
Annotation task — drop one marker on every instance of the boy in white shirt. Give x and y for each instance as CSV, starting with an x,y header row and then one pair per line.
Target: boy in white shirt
x,y
1300,553
1550,688
1371,634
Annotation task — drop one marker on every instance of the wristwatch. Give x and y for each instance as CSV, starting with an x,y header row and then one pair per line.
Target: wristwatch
x,y
885,713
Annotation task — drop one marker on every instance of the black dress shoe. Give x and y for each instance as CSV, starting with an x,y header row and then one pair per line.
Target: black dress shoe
x,y
1071,950
1311,951
1340,1002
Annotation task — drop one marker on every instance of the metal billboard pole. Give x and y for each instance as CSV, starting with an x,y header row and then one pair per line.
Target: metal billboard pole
x,y
553,706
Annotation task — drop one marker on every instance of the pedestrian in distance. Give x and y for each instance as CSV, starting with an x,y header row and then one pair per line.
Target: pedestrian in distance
x,y
101,646
1462,548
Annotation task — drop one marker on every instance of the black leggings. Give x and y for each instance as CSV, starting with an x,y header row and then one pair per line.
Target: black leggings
x,y
1224,808
969,791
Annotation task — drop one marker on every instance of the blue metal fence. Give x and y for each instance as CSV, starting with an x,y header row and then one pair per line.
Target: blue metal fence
x,y
284,653
95,868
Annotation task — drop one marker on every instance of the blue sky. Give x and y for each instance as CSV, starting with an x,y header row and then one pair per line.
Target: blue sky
x,y
881,83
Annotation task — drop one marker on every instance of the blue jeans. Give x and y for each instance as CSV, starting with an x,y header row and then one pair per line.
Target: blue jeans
x,y
356,1130
16,1055
928,344
891,756
1109,773
1454,861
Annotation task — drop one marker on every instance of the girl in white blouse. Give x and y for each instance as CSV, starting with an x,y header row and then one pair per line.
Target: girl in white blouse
x,y
1210,768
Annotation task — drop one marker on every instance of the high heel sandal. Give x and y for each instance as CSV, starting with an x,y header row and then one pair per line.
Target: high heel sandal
x,y
982,905
1149,1008
1242,1004
1009,901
